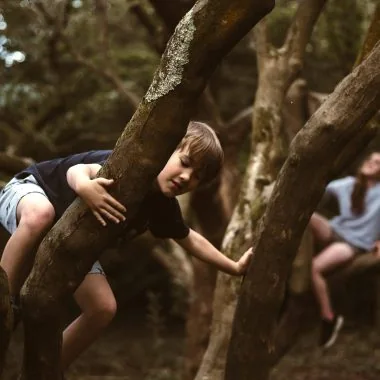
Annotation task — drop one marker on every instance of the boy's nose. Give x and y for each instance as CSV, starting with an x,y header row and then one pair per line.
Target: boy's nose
x,y
186,175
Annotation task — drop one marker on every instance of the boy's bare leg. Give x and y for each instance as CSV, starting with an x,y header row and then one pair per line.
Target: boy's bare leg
x,y
335,255
97,302
35,215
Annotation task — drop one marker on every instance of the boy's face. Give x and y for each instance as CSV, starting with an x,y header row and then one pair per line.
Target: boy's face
x,y
178,176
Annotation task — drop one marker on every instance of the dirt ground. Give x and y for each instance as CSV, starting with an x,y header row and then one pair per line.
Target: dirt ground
x,y
142,347
134,347
355,356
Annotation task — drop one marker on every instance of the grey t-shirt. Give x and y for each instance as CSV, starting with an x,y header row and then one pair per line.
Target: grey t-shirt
x,y
359,230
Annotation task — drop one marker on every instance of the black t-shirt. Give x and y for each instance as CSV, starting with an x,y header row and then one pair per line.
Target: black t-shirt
x,y
158,213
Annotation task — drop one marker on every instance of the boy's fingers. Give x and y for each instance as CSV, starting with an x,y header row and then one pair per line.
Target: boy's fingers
x,y
116,204
109,198
99,218
109,216
114,212
104,181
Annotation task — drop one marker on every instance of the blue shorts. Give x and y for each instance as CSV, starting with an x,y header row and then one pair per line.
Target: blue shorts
x,y
11,195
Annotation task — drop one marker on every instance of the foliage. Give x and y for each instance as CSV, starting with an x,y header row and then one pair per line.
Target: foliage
x,y
61,91
335,42
67,86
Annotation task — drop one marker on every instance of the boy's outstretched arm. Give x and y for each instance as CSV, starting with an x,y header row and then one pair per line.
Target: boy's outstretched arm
x,y
82,179
200,247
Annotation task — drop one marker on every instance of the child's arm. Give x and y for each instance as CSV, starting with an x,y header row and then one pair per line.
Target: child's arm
x,y
201,248
81,178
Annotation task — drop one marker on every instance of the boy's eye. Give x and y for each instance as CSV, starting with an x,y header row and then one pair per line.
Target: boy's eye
x,y
185,162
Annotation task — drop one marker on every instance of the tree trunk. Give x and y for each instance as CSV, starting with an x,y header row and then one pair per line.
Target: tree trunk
x,y
206,33
211,214
277,70
372,36
6,318
327,138
296,311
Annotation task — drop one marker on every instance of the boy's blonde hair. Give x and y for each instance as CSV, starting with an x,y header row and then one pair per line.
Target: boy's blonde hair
x,y
205,150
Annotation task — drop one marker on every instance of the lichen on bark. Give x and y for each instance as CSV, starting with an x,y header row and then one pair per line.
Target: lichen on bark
x,y
170,73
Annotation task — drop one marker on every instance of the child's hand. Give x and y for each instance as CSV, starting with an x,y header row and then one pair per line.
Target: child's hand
x,y
103,205
242,264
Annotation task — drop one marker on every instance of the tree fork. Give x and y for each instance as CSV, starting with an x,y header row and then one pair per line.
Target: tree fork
x,y
329,131
205,34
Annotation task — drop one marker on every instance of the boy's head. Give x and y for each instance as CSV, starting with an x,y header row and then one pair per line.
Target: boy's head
x,y
196,161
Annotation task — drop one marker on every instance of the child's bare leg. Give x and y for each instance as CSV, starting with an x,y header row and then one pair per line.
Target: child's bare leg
x,y
97,302
335,255
35,215
320,227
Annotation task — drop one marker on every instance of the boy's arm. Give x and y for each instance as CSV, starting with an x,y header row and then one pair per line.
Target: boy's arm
x,y
82,179
201,248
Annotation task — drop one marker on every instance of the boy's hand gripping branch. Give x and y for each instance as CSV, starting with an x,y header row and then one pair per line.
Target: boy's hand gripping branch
x,y
94,193
242,264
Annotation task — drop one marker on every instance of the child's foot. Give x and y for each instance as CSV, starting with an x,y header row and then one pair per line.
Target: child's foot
x,y
16,308
330,331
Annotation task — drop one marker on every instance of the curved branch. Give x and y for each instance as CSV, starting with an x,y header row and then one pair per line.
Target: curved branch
x,y
301,28
372,36
171,14
57,23
259,40
159,37
368,262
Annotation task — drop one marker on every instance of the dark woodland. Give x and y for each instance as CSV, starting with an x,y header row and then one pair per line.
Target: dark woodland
x,y
292,88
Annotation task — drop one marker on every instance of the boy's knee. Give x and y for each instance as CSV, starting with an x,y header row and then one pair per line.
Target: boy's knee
x,y
103,312
38,218
107,310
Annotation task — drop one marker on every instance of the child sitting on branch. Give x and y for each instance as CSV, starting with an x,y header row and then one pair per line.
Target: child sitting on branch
x,y
354,231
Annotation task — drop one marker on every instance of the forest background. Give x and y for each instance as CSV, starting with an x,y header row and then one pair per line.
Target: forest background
x,y
73,73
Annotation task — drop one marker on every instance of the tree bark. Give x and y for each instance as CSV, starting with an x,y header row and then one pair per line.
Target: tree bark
x,y
206,33
331,130
277,70
213,207
6,318
372,36
296,315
